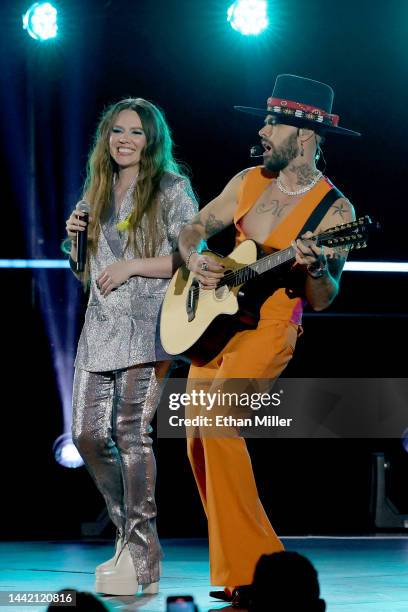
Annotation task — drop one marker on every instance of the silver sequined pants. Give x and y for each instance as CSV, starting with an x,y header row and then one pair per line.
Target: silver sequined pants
x,y
112,412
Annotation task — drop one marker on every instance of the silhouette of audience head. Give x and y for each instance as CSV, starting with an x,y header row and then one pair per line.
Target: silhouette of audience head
x,y
84,602
286,582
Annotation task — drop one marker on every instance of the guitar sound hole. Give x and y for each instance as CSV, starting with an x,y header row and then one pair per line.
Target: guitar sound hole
x,y
221,293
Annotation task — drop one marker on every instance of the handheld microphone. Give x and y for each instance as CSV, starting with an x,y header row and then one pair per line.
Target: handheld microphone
x,y
82,237
256,151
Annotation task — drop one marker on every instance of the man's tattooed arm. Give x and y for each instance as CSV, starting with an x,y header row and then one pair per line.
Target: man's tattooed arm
x,y
212,219
213,225
335,264
210,226
339,209
191,235
336,258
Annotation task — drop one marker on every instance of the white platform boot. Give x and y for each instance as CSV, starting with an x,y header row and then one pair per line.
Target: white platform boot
x,y
110,564
121,578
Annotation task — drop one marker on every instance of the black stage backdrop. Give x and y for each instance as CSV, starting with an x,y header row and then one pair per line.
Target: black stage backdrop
x,y
182,55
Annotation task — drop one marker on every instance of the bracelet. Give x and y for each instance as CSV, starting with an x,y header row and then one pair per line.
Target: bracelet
x,y
190,253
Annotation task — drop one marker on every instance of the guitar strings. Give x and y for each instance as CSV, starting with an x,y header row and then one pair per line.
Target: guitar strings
x,y
323,236
233,275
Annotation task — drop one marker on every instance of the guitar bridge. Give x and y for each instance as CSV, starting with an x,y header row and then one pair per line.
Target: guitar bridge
x,y
192,300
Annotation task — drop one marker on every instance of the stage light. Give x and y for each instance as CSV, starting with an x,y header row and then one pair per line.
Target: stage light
x,y
65,452
376,266
350,266
404,439
34,264
40,21
249,17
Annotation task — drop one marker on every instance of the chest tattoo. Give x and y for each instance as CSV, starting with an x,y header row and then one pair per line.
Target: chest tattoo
x,y
274,207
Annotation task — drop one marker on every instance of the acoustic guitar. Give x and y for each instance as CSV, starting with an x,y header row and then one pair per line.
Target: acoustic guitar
x,y
198,323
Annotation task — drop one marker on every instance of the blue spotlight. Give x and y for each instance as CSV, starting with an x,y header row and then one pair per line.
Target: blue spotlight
x,y
249,17
404,439
65,452
40,21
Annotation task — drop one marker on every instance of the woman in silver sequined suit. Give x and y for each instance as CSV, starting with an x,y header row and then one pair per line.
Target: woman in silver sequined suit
x,y
139,201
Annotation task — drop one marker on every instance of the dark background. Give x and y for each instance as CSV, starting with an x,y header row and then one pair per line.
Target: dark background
x,y
184,56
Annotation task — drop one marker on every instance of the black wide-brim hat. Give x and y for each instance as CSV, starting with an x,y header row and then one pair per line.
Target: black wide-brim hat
x,y
303,103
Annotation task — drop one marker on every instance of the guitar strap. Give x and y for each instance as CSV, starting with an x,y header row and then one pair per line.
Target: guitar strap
x,y
321,209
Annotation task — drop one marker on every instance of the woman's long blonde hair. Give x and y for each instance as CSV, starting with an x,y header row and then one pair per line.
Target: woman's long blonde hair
x,y
156,159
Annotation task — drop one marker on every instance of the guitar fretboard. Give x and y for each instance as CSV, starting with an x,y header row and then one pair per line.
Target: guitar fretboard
x,y
349,235
269,262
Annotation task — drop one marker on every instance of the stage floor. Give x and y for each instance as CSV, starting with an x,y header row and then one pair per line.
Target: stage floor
x,y
356,574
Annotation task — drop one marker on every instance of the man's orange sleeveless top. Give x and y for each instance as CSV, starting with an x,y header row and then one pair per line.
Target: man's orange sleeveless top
x,y
280,305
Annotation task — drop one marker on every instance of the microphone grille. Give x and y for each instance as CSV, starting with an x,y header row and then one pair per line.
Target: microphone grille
x,y
83,206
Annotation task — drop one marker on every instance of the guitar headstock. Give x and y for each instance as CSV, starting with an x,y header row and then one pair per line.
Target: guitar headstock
x,y
348,236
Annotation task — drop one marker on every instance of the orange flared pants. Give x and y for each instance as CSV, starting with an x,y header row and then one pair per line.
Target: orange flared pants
x,y
238,527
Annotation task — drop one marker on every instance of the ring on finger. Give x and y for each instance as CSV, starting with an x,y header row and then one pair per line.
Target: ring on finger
x,y
204,266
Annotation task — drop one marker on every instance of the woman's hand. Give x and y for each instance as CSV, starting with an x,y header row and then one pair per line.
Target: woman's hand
x,y
75,224
113,276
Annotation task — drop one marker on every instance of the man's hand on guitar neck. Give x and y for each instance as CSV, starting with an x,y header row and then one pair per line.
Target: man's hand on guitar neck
x,y
310,255
207,271
323,269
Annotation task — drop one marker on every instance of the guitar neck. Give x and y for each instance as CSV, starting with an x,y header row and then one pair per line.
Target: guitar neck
x,y
346,236
265,264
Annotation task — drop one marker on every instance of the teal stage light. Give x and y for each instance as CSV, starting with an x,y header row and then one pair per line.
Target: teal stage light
x,y
40,21
65,452
249,17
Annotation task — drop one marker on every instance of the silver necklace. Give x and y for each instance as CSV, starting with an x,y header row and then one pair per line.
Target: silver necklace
x,y
301,190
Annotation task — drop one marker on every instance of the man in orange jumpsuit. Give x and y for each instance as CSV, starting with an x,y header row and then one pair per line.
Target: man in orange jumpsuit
x,y
269,204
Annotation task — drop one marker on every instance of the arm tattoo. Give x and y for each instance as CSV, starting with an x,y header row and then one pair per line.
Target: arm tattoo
x,y
274,207
195,221
213,225
335,265
339,209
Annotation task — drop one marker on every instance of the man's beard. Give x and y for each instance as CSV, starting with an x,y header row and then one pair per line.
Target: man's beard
x,y
280,158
